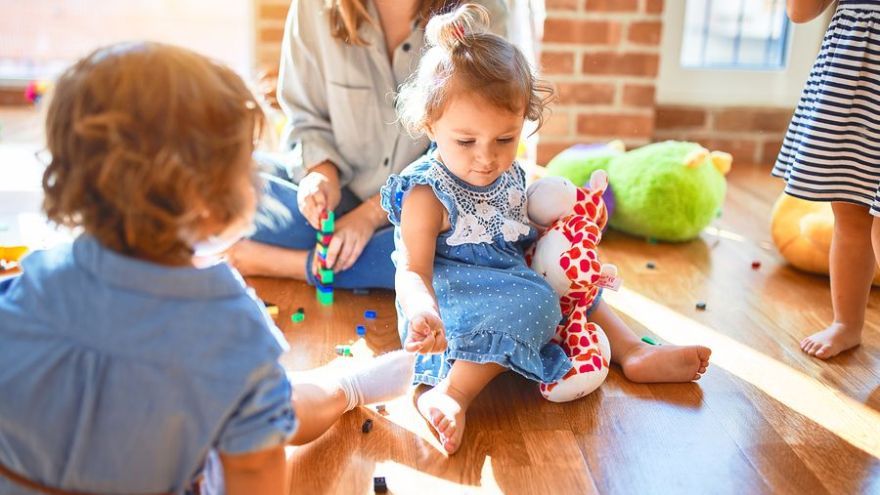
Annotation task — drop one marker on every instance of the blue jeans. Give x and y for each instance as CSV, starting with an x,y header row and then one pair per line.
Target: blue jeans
x,y
280,223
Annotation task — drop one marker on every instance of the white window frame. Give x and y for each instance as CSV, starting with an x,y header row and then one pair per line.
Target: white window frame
x,y
677,85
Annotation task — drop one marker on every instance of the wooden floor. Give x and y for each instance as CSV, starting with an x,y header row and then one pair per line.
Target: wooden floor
x,y
765,418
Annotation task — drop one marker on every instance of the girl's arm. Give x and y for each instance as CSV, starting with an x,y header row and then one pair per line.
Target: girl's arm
x,y
805,10
422,219
255,472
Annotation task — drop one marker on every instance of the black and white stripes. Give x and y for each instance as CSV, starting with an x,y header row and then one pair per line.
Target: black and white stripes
x,y
831,151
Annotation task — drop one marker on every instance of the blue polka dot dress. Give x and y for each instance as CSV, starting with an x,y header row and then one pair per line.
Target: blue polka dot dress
x,y
494,307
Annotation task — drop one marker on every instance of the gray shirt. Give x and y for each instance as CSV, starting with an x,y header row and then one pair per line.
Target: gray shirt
x,y
339,98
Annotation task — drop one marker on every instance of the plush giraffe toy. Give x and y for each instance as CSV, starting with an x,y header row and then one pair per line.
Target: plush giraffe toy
x,y
566,256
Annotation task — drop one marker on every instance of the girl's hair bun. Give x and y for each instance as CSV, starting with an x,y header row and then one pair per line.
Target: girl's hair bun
x,y
449,31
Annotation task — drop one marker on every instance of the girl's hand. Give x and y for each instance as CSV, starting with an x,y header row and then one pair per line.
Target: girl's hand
x,y
426,334
318,191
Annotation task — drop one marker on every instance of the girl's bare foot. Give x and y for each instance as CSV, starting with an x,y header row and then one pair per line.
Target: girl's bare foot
x,y
444,410
831,341
668,363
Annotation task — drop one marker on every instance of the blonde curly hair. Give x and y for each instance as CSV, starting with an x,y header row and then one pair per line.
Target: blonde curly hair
x,y
147,141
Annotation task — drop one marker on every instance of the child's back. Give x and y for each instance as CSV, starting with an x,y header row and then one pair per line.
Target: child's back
x,y
114,365
123,363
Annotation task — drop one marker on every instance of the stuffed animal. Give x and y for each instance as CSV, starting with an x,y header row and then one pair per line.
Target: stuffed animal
x,y
667,191
802,232
566,256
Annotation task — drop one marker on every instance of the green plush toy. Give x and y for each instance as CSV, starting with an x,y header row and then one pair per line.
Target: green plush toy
x,y
667,191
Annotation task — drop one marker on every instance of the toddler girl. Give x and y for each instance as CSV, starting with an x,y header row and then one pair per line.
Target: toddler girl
x,y
463,287
134,358
830,154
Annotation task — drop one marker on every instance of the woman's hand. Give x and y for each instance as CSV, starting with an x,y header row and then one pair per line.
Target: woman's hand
x,y
426,334
353,231
319,191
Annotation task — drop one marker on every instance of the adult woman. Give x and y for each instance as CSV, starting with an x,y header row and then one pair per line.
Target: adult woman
x,y
341,65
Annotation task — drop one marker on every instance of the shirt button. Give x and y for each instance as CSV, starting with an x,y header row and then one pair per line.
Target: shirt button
x,y
406,47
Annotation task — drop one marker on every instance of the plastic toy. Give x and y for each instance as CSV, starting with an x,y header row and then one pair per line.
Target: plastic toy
x,y
668,191
379,484
566,256
35,90
324,285
361,330
802,232
701,306
649,340
367,426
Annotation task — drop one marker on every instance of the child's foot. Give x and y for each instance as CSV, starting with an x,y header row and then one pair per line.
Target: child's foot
x,y
668,363
831,341
444,410
378,380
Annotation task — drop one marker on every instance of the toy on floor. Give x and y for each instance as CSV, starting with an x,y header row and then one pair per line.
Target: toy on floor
x,y
668,191
10,256
271,308
802,233
566,256
367,426
324,285
35,90
299,316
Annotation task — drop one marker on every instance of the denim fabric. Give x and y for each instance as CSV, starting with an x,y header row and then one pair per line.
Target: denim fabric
x,y
120,375
494,307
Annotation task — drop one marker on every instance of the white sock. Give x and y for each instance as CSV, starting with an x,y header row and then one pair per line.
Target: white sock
x,y
382,378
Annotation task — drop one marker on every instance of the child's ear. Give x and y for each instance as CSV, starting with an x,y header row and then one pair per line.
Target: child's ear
x,y
429,132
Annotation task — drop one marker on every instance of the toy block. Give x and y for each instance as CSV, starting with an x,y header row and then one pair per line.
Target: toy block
x,y
379,484
343,350
323,238
649,340
326,276
361,330
367,426
328,222
325,298
370,314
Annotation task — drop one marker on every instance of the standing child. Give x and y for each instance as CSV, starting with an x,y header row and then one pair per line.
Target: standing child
x,y
830,154
134,358
463,287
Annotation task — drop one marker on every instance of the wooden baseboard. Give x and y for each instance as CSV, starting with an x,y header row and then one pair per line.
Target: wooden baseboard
x,y
13,96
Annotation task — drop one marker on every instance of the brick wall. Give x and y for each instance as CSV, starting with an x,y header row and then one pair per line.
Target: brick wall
x,y
270,16
603,57
751,135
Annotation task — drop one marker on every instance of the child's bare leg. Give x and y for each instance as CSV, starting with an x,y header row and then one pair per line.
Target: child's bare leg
x,y
445,405
252,258
852,268
320,402
645,363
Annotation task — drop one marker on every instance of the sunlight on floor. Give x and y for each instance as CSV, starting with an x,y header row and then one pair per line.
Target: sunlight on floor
x,y
850,420
725,234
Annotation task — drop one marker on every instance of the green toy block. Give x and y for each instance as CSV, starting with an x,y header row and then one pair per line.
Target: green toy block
x,y
343,350
326,276
297,317
325,298
649,340
328,225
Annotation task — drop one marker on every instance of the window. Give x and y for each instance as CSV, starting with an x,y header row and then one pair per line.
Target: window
x,y
722,74
39,38
750,34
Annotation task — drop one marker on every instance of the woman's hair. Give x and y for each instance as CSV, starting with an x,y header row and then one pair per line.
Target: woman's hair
x,y
149,144
347,16
464,57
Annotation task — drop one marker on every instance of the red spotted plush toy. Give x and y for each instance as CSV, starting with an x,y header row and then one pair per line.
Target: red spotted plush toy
x,y
566,256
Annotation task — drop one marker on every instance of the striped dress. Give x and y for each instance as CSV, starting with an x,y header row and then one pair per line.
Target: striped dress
x,y
831,151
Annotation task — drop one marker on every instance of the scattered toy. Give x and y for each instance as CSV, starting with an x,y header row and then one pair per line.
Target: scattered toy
x,y
379,484
756,265
367,426
380,409
343,350
701,306
370,314
361,330
649,340
650,265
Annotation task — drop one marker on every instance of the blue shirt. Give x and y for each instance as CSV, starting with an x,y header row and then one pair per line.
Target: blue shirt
x,y
119,375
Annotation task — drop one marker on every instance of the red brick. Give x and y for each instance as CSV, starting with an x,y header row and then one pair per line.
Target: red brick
x,y
581,32
615,125
769,152
271,34
562,4
670,117
638,95
653,6
557,62
612,5
546,151
629,64
752,119
273,12
558,123
585,93
645,32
